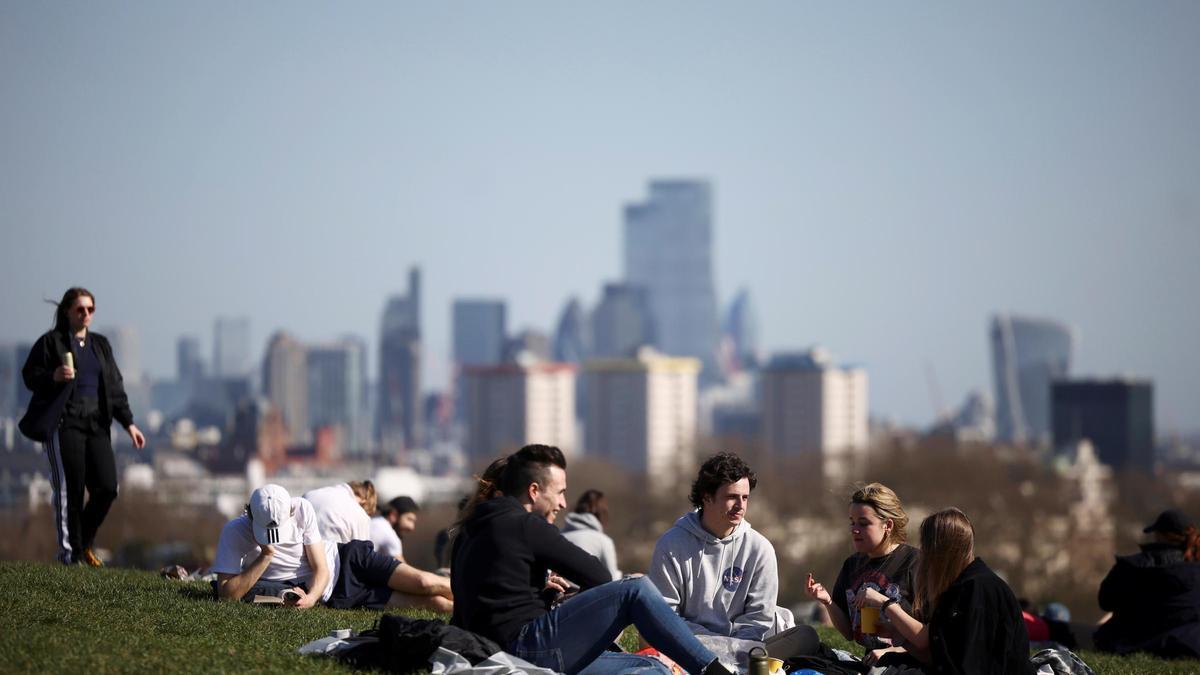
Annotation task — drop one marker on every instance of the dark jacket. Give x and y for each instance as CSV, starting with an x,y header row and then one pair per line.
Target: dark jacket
x,y
498,568
1155,600
977,628
50,397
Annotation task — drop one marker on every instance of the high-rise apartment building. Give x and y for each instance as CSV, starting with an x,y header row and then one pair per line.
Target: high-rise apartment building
x,y
399,412
622,322
513,404
10,381
337,390
1117,416
813,407
285,383
641,412
231,346
1027,356
668,250
189,363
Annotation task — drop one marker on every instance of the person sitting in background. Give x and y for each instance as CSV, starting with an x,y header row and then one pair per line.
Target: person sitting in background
x,y
276,547
1154,595
397,519
712,567
344,510
882,561
973,621
585,529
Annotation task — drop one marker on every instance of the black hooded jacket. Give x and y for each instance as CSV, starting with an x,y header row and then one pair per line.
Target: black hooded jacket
x,y
498,568
50,397
1155,600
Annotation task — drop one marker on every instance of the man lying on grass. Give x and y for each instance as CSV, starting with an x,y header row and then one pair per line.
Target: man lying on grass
x,y
276,547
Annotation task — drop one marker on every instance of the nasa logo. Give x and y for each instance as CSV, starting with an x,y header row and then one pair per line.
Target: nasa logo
x,y
731,578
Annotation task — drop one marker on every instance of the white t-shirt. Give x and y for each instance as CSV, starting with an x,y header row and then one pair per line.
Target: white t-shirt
x,y
340,517
237,549
384,536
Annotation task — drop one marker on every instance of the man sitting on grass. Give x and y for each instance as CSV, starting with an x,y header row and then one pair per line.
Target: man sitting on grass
x,y
276,547
501,559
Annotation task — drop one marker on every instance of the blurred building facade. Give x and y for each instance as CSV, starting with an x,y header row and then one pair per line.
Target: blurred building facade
x,y
622,322
813,407
1027,356
668,250
285,383
231,346
1115,416
398,411
641,412
513,404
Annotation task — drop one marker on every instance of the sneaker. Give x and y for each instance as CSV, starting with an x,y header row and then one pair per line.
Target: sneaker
x,y
89,558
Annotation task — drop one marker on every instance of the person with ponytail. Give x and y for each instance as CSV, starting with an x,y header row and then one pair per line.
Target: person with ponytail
x,y
1154,595
970,621
77,393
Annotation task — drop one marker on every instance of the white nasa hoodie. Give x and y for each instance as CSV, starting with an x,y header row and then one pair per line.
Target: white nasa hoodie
x,y
722,587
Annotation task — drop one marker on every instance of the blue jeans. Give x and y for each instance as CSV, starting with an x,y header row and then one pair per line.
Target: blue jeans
x,y
573,637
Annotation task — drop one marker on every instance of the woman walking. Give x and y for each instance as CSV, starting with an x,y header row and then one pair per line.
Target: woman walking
x,y
77,393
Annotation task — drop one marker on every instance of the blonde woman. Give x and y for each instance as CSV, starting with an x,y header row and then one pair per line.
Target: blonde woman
x,y
882,562
973,621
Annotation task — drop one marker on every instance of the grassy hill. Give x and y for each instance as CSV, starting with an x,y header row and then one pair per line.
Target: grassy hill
x,y
75,619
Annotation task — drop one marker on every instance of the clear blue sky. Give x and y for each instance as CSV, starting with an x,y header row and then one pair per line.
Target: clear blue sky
x,y
886,177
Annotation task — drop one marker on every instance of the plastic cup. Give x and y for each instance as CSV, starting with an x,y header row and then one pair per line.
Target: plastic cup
x,y
774,664
868,616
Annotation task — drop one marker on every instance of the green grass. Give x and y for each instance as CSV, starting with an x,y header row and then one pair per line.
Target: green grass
x,y
77,619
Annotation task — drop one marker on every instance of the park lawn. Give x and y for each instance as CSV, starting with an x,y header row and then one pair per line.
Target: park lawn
x,y
78,619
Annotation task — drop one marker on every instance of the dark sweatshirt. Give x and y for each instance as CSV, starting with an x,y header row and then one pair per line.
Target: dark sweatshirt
x,y
498,568
50,397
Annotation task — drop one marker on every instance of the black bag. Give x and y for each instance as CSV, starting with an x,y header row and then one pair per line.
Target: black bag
x,y
405,645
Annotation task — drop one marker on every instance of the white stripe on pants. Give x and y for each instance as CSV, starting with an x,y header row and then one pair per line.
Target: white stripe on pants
x,y
58,500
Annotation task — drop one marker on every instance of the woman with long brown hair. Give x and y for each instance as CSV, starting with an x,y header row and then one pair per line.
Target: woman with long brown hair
x,y
972,621
585,528
77,393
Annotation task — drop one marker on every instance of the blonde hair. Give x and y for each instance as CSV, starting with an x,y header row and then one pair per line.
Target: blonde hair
x,y
947,547
887,506
364,490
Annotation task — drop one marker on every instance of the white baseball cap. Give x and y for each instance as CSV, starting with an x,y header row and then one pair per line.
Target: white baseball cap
x,y
271,513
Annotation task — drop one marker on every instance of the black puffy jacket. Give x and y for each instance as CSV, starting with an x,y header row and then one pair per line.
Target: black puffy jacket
x,y
1155,600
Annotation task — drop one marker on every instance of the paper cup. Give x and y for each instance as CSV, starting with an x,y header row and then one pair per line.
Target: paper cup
x,y
868,617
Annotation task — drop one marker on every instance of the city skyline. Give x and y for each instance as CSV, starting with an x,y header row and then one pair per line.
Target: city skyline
x,y
884,180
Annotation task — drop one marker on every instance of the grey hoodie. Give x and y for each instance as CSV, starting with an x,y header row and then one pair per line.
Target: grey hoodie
x,y
585,531
719,586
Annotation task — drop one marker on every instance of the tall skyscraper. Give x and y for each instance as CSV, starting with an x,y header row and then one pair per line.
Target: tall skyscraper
x,y
572,337
813,407
231,346
285,383
641,412
1117,416
399,413
10,380
189,363
480,330
127,349
739,335
668,250
622,322
513,404
1027,355
336,390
